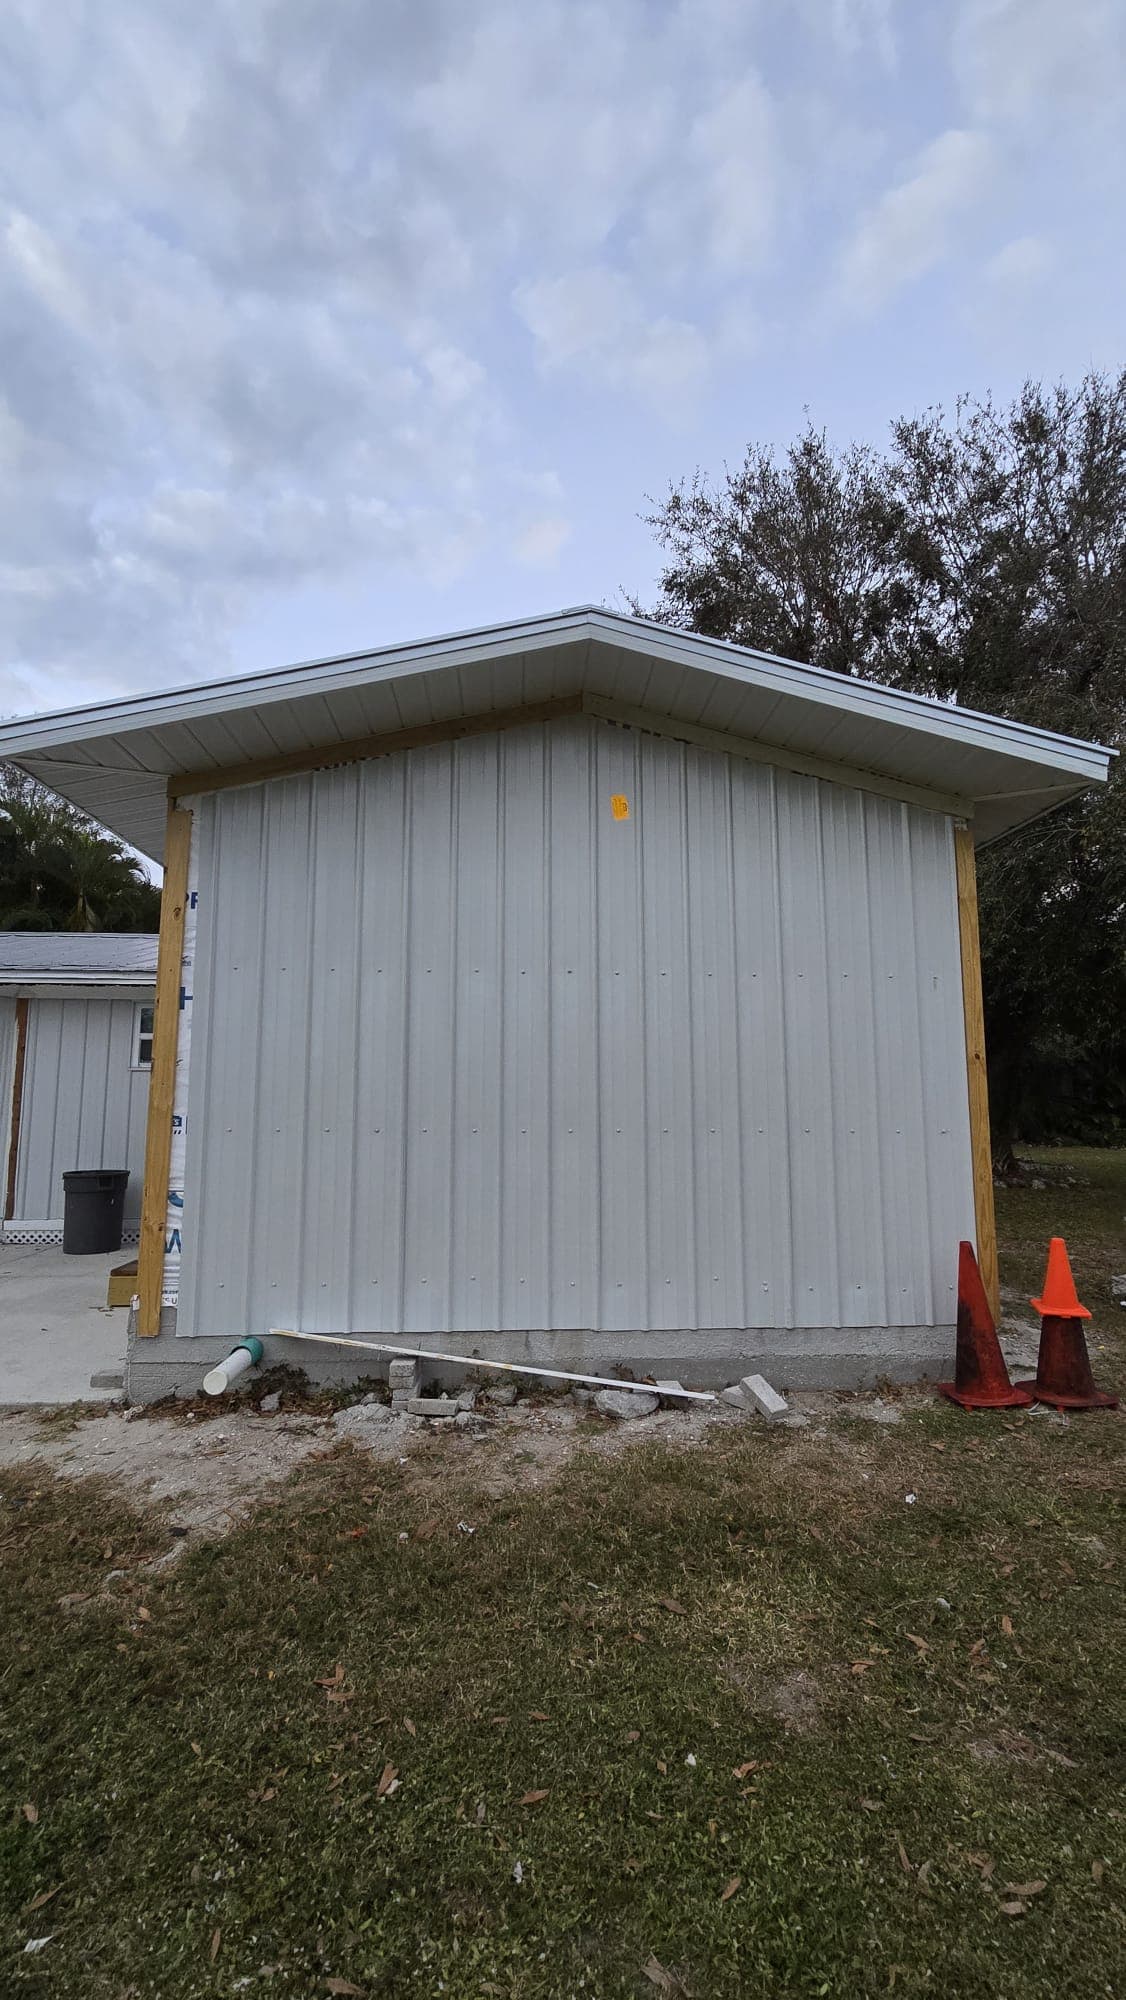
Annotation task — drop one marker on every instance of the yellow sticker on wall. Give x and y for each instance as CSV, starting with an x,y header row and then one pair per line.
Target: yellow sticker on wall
x,y
619,805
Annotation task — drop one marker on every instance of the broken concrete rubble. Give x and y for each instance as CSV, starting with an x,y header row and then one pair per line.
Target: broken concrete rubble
x,y
626,1402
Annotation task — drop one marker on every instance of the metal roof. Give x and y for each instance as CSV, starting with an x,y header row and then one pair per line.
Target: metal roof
x,y
77,958
114,759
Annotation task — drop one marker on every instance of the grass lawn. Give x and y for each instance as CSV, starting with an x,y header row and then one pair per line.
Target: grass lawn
x,y
731,1721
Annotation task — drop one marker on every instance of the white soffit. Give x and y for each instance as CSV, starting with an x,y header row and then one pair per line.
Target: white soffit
x,y
114,760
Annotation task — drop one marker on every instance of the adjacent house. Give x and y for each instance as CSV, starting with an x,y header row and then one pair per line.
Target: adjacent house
x,y
76,1029
575,991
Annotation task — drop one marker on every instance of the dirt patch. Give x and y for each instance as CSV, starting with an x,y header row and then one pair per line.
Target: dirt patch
x,y
1009,1746
207,1466
795,1701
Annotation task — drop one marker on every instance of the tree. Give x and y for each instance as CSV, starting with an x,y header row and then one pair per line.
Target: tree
x,y
58,871
980,557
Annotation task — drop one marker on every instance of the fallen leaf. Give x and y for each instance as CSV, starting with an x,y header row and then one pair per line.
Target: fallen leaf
x,y
331,1680
143,1613
1025,1888
1097,1870
923,1875
736,1882
197,1750
861,1666
216,1941
1007,1626
904,1861
30,1813
984,1863
408,1725
499,1721
670,1604
537,1715
921,1645
633,1735
45,1895
662,1767
387,1778
429,1527
352,1535
741,1770
533,1798
1013,1909
345,1988
871,1805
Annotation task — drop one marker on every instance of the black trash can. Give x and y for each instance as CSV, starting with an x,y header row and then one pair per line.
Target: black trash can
x,y
93,1208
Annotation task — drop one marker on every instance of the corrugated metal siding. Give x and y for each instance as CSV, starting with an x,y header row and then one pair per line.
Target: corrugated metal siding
x,y
83,1106
7,1077
469,1053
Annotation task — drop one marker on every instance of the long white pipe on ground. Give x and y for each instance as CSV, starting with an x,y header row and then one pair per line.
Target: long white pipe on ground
x,y
476,1361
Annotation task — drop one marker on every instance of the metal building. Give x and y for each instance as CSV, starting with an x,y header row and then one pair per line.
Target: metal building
x,y
76,1021
576,991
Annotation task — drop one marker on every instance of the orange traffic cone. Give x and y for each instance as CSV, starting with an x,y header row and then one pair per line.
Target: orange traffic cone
x,y
1063,1367
981,1379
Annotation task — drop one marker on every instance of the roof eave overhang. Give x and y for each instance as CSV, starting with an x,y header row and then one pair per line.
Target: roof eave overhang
x,y
116,759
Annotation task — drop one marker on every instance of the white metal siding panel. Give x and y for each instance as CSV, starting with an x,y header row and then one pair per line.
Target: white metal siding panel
x,y
471,1054
7,1079
83,1105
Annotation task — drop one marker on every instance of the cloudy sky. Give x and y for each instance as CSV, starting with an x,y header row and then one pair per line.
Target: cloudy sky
x,y
325,323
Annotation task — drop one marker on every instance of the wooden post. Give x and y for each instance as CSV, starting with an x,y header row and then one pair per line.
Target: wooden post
x,y
17,1109
162,1079
981,1149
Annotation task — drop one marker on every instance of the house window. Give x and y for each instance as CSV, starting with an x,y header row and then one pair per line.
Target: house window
x,y
142,1037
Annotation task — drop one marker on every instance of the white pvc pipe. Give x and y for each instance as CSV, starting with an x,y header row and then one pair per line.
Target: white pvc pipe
x,y
218,1380
477,1361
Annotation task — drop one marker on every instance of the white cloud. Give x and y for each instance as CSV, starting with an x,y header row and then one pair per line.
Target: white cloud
x,y
915,224
593,322
1018,267
1039,63
252,265
541,541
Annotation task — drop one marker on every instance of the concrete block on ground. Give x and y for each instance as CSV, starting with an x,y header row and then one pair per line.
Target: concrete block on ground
x,y
502,1393
432,1407
270,1403
626,1402
736,1398
404,1377
763,1399
671,1401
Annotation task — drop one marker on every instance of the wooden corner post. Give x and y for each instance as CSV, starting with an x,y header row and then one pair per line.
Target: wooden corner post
x,y
981,1150
162,1079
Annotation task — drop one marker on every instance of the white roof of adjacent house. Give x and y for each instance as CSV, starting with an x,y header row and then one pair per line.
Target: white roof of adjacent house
x,y
77,958
114,759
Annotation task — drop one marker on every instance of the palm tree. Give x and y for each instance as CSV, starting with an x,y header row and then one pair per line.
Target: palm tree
x,y
59,871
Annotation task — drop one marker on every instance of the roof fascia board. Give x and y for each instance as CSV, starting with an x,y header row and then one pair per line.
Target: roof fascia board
x,y
314,677
1088,761
783,760
861,697
14,988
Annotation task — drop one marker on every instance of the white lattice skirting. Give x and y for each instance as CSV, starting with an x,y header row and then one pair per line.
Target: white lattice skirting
x,y
52,1232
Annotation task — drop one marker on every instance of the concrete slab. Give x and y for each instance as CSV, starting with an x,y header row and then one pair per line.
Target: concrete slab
x,y
55,1327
